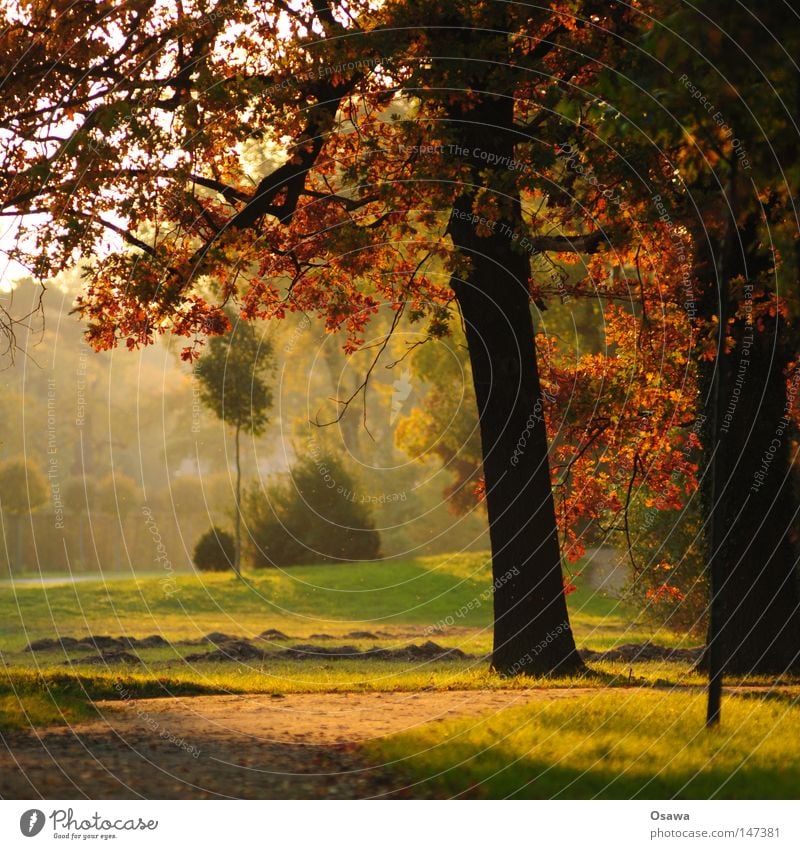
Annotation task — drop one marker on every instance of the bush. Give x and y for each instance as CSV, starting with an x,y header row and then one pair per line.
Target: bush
x,y
215,551
313,515
672,586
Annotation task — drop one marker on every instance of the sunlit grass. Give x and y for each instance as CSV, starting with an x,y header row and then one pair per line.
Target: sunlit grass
x,y
403,602
626,744
26,701
37,695
31,698
397,597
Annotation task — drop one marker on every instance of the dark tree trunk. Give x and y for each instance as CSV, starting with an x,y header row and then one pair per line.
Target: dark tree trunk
x,y
758,595
532,632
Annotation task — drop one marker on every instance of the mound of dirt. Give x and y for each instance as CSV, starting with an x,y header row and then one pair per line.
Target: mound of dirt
x,y
230,650
309,651
245,650
101,643
154,641
273,634
427,651
366,635
107,657
639,652
216,638
48,644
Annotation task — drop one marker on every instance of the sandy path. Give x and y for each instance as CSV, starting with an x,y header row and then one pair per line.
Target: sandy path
x,y
252,746
318,718
298,746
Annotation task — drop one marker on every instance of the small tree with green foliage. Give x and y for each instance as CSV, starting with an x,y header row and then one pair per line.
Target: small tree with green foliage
x,y
314,515
233,384
215,551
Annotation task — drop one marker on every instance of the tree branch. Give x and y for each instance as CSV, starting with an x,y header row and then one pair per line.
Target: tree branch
x,y
588,243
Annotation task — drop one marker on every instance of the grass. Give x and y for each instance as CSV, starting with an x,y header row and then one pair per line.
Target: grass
x,y
631,744
406,600
32,698
643,738
338,676
393,596
31,705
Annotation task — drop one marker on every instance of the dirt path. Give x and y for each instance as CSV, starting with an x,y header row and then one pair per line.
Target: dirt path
x,y
252,747
298,746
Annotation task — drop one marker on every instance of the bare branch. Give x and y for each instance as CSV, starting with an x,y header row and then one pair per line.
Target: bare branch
x,y
361,389
587,243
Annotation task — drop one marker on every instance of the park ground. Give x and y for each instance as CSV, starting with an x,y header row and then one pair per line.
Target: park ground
x,y
361,680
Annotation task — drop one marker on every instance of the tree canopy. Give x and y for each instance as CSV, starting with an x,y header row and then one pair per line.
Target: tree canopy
x,y
481,162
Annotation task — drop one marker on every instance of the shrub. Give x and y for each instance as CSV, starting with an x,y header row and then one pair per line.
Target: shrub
x,y
313,515
671,587
215,551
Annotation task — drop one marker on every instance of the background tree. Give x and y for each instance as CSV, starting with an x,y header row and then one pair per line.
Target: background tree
x,y
116,497
80,493
316,514
23,489
233,385
443,422
215,551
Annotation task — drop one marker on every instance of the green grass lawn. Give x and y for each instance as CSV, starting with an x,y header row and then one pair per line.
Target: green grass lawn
x,y
390,596
405,600
639,739
32,697
621,745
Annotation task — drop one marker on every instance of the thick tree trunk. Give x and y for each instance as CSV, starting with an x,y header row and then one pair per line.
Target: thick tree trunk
x,y
758,595
757,507
531,625
532,633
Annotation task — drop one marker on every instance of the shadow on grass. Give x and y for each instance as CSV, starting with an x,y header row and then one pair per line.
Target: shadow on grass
x,y
33,699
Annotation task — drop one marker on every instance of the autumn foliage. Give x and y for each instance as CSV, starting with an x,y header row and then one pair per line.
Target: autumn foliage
x,y
308,157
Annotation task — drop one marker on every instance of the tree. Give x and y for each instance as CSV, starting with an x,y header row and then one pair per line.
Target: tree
x,y
80,493
725,172
334,225
233,385
316,515
215,551
23,489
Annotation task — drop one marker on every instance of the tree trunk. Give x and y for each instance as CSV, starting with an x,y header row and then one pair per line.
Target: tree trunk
x,y
758,623
532,634
758,595
238,537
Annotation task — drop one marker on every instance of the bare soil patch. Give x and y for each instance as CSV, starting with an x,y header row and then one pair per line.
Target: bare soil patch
x,y
295,746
